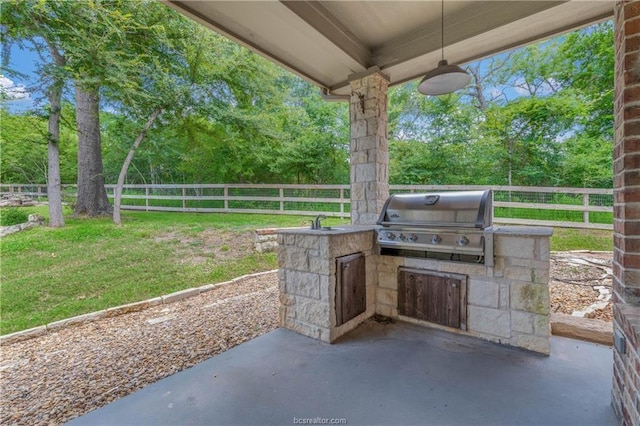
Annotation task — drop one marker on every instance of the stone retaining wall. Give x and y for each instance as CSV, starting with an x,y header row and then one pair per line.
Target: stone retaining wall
x,y
265,240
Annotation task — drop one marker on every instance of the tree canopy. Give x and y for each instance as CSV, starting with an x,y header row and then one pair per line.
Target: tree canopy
x,y
540,115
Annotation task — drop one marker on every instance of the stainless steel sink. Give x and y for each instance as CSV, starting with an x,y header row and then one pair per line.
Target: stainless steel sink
x,y
331,228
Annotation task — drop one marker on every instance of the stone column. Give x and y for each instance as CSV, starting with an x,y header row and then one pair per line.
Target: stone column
x,y
626,259
369,147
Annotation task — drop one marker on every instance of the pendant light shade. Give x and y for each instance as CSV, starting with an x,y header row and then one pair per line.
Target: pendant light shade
x,y
445,78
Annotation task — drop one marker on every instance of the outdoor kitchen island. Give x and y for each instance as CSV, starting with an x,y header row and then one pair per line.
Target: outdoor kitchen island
x,y
332,280
314,267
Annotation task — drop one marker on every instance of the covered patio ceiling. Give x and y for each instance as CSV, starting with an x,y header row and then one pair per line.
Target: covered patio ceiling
x,y
326,42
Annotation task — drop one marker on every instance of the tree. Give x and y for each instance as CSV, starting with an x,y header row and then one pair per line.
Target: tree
x,y
23,143
430,138
38,23
54,184
587,162
93,42
527,134
92,197
192,77
314,146
525,119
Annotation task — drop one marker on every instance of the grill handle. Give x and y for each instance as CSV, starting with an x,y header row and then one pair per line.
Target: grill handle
x,y
420,225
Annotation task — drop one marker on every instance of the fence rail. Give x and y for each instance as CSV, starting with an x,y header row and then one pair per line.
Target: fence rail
x,y
562,207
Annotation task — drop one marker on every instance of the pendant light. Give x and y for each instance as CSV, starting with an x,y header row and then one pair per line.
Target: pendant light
x,y
445,78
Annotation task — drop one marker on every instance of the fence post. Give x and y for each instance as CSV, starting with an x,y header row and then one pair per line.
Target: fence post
x,y
146,198
281,192
226,198
585,203
493,208
184,200
341,202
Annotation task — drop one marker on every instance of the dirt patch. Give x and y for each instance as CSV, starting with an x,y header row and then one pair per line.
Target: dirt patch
x,y
209,246
579,280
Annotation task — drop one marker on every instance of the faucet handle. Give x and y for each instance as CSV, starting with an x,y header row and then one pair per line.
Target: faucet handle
x,y
315,224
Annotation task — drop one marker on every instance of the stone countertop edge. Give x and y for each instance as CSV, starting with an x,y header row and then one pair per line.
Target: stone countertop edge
x,y
536,231
335,230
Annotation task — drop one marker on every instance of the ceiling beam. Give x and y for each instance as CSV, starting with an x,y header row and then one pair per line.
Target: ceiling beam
x,y
324,22
467,23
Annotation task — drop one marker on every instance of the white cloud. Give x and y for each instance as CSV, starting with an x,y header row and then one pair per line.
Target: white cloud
x,y
520,87
12,91
539,87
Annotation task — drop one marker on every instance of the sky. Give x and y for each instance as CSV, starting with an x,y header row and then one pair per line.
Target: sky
x,y
16,87
24,61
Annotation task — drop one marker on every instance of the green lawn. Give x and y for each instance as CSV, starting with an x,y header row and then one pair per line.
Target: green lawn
x,y
565,239
50,274
91,264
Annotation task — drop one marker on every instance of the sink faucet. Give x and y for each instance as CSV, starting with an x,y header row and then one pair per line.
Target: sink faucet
x,y
315,223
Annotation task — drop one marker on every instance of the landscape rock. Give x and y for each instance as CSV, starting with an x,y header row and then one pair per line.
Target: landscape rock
x,y
591,330
34,220
16,201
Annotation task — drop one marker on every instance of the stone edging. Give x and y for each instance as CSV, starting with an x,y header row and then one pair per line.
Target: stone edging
x,y
591,330
118,310
34,220
583,251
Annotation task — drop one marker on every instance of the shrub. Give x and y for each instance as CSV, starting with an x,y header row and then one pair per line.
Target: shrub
x,y
12,216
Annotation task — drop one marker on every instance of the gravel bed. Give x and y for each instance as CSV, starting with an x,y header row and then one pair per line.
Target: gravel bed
x,y
574,281
53,378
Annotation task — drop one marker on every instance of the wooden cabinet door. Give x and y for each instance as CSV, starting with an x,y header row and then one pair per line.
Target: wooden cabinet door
x,y
431,296
351,287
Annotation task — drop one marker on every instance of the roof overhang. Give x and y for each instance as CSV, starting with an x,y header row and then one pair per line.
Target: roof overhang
x,y
326,42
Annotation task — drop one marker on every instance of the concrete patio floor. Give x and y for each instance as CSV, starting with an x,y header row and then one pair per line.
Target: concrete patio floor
x,y
391,374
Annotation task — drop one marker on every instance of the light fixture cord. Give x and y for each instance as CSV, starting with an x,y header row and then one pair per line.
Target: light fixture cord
x,y
442,29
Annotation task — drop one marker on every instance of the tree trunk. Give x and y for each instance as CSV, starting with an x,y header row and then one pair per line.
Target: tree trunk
x,y
92,196
54,187
125,166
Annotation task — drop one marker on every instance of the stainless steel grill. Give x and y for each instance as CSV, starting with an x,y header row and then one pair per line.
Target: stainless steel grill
x,y
444,225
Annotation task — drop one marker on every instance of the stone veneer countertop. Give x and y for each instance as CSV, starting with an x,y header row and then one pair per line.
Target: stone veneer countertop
x,y
347,229
334,230
540,231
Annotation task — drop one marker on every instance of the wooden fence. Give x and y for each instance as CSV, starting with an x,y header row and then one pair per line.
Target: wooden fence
x,y
562,207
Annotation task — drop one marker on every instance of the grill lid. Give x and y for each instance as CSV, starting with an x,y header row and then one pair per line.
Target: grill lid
x,y
462,209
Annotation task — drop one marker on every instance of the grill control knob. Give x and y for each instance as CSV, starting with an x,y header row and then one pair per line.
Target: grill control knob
x,y
463,241
436,239
413,237
391,236
402,237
